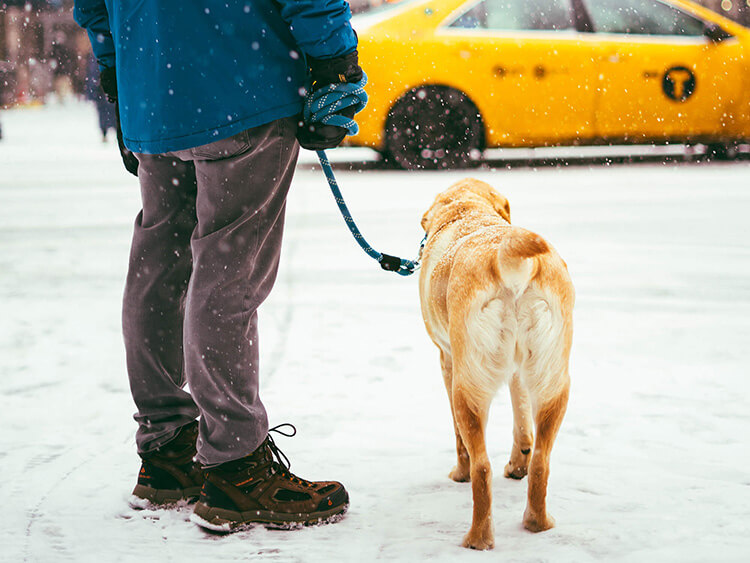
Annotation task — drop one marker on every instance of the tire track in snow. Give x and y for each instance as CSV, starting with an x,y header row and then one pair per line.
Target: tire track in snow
x,y
36,513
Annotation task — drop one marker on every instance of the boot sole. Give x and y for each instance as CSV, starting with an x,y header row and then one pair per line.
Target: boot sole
x,y
223,520
144,496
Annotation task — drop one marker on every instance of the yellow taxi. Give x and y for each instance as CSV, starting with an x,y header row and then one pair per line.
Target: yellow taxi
x,y
448,78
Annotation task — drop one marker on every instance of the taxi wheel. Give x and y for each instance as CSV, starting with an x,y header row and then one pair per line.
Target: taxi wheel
x,y
434,127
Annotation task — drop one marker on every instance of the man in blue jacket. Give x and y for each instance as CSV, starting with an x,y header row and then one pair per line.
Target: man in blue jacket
x,y
209,95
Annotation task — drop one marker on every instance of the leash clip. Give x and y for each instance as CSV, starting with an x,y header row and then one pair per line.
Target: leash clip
x,y
390,263
399,265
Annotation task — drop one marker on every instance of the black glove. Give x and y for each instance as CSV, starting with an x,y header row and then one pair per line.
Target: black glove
x,y
128,158
325,72
108,82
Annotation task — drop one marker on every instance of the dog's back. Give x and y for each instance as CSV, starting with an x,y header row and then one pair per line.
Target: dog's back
x,y
512,295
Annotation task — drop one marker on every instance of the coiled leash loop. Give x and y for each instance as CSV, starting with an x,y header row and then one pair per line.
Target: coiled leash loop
x,y
322,104
320,107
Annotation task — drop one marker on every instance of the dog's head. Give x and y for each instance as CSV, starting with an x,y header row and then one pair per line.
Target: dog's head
x,y
465,195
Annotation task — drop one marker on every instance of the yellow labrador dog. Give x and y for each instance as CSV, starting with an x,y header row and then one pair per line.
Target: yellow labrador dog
x,y
497,301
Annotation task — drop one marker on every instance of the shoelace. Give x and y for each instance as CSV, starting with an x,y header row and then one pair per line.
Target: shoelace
x,y
282,463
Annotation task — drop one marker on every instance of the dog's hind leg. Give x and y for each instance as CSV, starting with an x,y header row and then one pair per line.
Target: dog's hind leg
x,y
471,421
460,472
548,419
523,436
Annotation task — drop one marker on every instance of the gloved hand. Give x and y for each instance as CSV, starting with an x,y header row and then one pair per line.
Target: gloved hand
x,y
108,82
324,72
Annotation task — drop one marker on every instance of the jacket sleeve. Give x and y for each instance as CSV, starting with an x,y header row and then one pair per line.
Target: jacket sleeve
x,y
320,27
92,16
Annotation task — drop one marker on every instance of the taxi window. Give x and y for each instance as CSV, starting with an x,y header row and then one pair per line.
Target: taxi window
x,y
641,17
517,15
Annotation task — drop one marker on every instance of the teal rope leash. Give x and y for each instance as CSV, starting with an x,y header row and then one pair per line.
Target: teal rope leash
x,y
320,107
401,266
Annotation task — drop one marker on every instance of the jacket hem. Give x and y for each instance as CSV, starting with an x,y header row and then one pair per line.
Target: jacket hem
x,y
207,136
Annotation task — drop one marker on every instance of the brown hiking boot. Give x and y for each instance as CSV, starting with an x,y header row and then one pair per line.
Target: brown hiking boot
x,y
261,489
169,474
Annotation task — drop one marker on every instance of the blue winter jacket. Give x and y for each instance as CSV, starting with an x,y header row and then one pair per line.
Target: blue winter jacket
x,y
192,72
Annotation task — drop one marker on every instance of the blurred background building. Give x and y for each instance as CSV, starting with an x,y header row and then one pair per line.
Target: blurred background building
x,y
43,53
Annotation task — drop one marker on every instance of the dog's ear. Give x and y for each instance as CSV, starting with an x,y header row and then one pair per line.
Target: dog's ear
x,y
426,219
501,205
429,215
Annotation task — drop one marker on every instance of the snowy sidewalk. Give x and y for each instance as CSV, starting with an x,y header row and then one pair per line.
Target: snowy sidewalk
x,y
652,460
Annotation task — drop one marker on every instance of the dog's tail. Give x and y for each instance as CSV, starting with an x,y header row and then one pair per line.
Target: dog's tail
x,y
515,258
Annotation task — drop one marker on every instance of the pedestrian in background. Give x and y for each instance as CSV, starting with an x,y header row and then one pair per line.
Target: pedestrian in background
x,y
209,97
62,60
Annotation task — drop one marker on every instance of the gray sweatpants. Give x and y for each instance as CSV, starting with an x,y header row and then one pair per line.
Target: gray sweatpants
x,y
205,255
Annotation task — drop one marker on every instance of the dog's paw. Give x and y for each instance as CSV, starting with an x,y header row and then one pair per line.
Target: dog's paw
x,y
515,471
534,523
480,540
460,475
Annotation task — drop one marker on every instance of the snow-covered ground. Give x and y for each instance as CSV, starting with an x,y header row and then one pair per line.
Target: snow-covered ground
x,y
653,459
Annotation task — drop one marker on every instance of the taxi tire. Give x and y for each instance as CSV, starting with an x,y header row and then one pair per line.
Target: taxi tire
x,y
432,128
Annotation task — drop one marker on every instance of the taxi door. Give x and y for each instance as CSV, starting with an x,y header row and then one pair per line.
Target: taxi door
x,y
524,63
661,76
